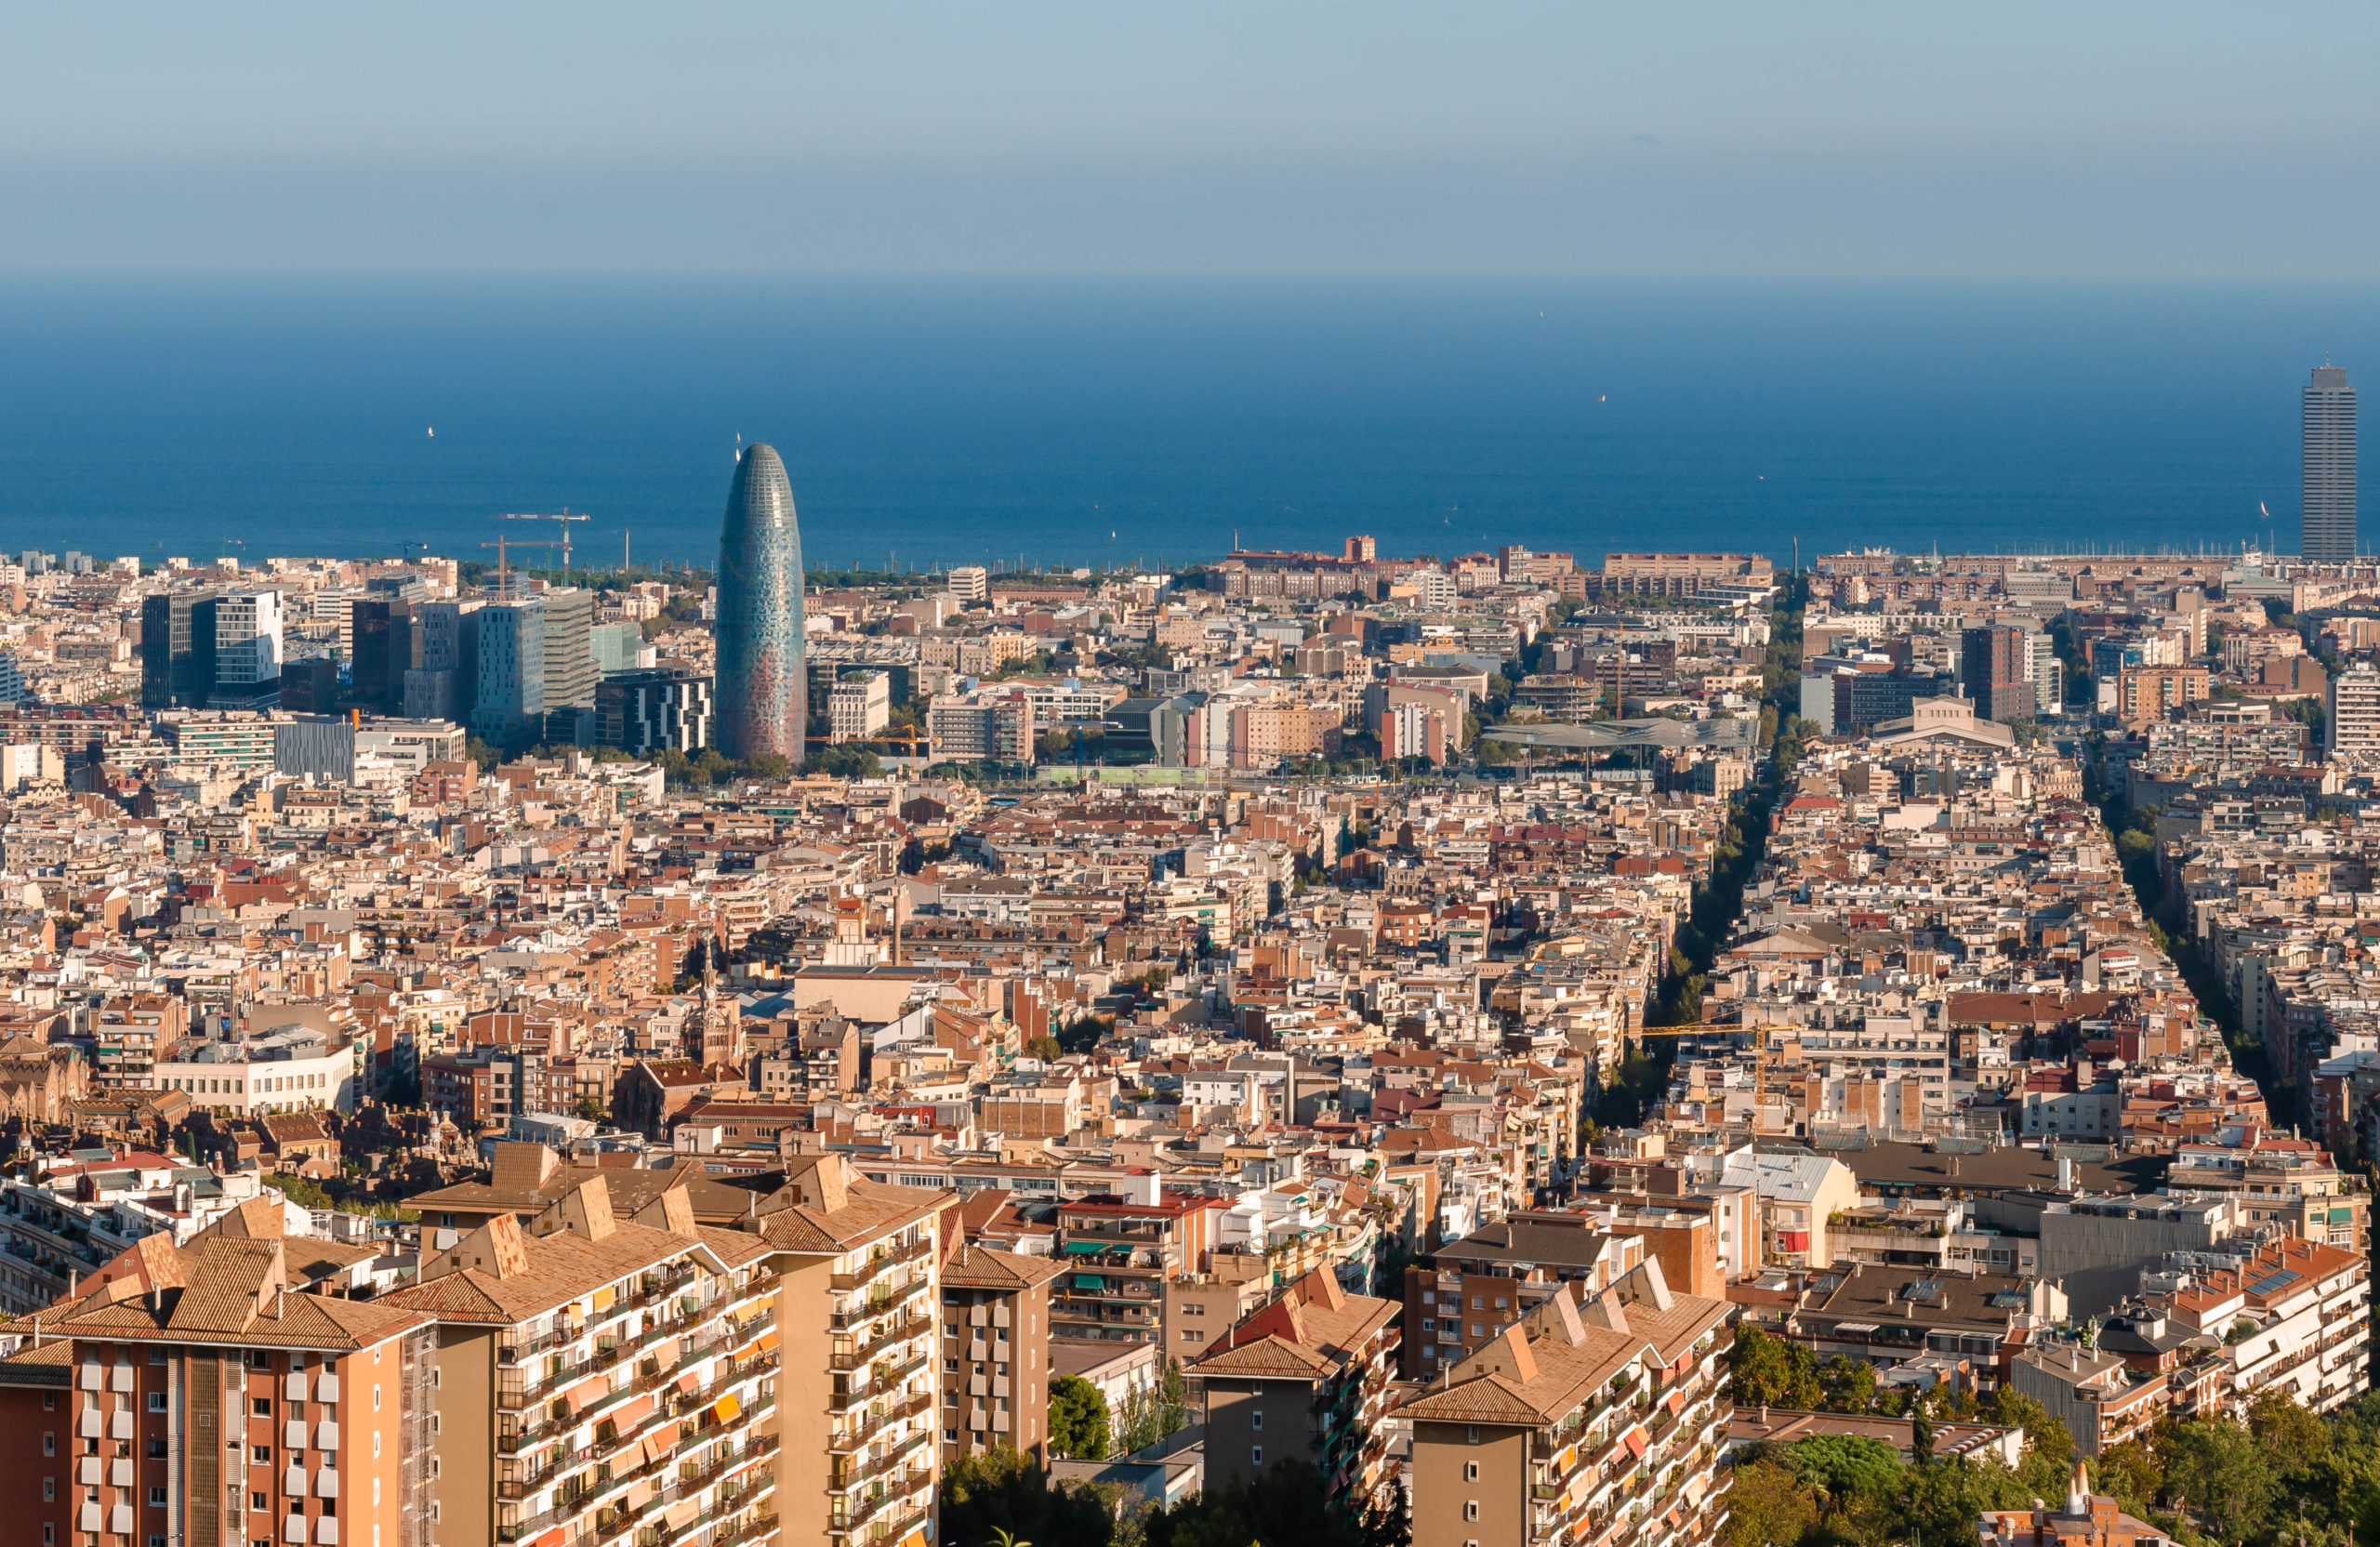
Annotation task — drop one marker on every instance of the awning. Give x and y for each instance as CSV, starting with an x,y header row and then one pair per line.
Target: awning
x,y
629,1417
682,1512
1674,1400
1634,1440
550,1538
768,1341
1087,1249
660,1442
728,1408
1090,1281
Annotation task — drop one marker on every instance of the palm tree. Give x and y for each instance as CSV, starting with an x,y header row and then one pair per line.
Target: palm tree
x,y
1000,1538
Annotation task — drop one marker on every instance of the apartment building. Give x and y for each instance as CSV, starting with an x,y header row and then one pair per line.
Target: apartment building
x,y
2306,1307
996,1352
1317,1361
861,705
1475,1289
858,1301
1120,1255
2101,1399
595,1375
198,1396
1595,1417
989,725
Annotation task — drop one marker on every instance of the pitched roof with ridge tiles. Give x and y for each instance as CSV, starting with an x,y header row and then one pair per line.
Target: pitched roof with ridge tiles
x,y
1309,1334
1561,1354
233,1293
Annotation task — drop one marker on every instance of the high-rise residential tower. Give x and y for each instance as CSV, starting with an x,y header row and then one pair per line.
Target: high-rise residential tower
x,y
2327,534
763,699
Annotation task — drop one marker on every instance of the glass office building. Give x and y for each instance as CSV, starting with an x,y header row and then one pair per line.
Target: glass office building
x,y
762,699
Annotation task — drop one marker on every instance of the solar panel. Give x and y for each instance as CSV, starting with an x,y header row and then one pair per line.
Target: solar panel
x,y
1925,1289
2272,1282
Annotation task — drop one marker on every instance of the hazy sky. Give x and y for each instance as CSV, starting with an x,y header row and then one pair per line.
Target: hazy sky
x,y
2002,139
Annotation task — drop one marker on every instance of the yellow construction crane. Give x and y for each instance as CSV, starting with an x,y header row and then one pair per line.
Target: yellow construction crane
x,y
563,541
1761,1050
500,544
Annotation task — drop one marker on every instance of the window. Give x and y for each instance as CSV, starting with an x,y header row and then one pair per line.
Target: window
x,y
260,1502
157,1355
48,1489
376,1400
1429,1296
1471,1509
260,1455
157,1448
1256,1418
50,1442
1500,1303
260,1407
951,1435
1477,1332
156,1401
1428,1324
157,1498
49,1401
1256,1455
1471,1472
1476,1303
376,1490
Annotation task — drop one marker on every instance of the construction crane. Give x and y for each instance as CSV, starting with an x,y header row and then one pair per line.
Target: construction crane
x,y
502,571
1761,1050
562,542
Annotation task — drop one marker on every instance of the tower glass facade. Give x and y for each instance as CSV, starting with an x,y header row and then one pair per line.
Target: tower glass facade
x,y
2327,534
763,699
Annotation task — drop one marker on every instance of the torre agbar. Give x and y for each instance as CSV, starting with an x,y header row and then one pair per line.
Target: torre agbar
x,y
763,705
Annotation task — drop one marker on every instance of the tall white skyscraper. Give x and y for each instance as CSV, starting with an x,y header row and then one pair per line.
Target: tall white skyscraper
x,y
2327,533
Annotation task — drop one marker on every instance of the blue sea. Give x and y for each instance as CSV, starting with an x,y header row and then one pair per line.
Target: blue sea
x,y
1092,421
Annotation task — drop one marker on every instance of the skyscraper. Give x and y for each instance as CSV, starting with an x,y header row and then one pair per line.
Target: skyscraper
x,y
1994,669
2327,534
763,698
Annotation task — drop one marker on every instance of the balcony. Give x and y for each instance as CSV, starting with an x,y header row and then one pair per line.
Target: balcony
x,y
857,1436
878,1265
914,1326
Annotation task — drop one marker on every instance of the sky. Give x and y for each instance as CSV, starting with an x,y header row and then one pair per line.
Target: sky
x,y
1294,137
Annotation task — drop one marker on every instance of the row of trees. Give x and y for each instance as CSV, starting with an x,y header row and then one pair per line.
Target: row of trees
x,y
1002,1499
2280,1474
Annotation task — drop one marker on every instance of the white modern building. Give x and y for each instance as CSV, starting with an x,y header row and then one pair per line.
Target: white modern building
x,y
290,1069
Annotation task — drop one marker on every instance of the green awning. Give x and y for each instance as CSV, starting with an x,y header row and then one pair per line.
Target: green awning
x,y
1087,1249
1090,1281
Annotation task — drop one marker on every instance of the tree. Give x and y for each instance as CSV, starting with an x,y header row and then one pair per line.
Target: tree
x,y
592,1109
1842,1467
1001,1495
1077,1420
1767,1505
2215,1467
1285,1505
2292,1437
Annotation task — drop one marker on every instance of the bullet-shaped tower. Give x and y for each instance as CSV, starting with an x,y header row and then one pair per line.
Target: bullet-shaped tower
x,y
763,701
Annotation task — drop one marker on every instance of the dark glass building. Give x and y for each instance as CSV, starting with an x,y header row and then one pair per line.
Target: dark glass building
x,y
176,649
383,650
763,702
